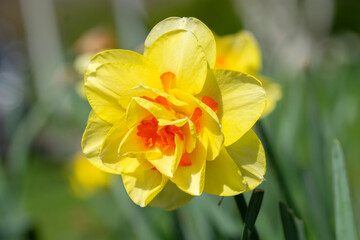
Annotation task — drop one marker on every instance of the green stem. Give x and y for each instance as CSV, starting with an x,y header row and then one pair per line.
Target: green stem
x,y
241,204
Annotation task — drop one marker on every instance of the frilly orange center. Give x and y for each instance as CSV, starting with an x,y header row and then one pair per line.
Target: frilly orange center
x,y
155,136
163,137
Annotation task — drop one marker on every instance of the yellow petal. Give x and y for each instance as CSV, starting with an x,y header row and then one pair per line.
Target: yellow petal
x,y
241,101
223,177
249,155
114,56
190,179
169,162
273,94
109,150
238,52
105,85
170,198
93,138
133,146
199,29
143,184
127,165
180,53
189,131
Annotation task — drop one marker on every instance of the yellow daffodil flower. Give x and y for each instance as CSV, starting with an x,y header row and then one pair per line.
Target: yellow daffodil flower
x,y
241,52
86,179
171,124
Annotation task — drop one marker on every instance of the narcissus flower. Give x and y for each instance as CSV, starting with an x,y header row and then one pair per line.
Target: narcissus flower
x,y
85,178
240,52
170,124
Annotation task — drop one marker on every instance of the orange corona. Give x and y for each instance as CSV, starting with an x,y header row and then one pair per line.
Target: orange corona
x,y
164,137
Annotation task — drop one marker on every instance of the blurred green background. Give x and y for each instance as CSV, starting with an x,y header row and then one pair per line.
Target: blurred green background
x,y
310,47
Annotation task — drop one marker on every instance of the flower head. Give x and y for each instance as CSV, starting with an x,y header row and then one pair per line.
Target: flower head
x,y
169,123
240,52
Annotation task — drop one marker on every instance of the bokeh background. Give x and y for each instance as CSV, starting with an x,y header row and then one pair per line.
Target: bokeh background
x,y
310,47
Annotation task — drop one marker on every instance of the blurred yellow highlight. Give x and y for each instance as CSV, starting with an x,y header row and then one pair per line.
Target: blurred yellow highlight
x,y
86,179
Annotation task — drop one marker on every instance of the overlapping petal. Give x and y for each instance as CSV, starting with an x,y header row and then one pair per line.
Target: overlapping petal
x,y
105,85
190,136
249,155
171,197
143,184
114,56
169,161
241,101
200,30
110,145
179,52
92,140
190,179
223,177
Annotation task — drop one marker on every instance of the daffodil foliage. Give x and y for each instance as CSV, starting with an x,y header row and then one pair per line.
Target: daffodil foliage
x,y
241,52
169,123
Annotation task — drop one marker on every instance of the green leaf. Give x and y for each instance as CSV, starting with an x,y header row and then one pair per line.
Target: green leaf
x,y
249,231
293,227
241,205
344,219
